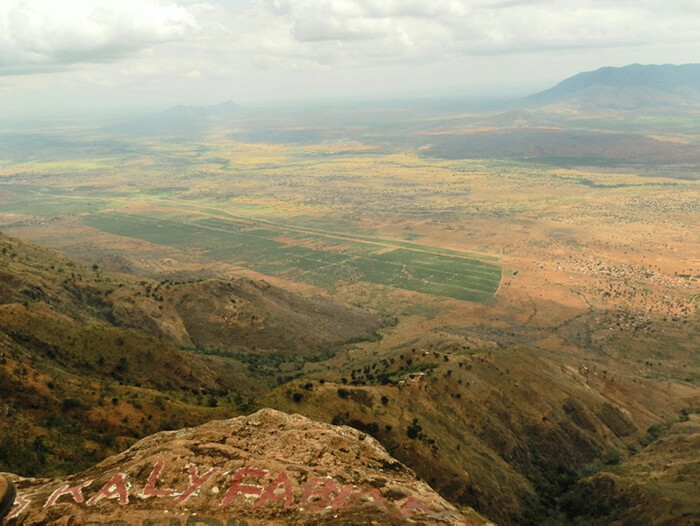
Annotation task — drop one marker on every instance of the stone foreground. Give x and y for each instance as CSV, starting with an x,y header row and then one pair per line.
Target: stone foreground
x,y
266,468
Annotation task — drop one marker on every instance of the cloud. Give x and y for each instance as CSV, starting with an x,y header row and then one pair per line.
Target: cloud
x,y
370,8
422,29
170,51
211,36
355,20
45,35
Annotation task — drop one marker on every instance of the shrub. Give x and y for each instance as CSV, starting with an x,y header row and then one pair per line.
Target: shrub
x,y
70,403
653,433
414,429
613,458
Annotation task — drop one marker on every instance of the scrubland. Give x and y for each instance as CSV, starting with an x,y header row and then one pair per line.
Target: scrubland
x,y
524,294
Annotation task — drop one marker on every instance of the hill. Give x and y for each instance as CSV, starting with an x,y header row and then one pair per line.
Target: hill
x,y
179,120
627,87
90,361
511,431
195,313
640,116
523,435
266,468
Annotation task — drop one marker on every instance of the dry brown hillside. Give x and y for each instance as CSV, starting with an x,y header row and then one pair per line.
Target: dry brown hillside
x,y
524,434
511,431
90,361
209,314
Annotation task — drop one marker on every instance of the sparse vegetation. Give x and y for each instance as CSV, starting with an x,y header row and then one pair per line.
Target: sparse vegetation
x,y
536,395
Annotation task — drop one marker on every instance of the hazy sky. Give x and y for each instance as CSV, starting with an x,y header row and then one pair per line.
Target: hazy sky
x,y
62,54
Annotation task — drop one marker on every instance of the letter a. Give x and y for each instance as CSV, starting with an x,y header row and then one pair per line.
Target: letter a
x,y
115,488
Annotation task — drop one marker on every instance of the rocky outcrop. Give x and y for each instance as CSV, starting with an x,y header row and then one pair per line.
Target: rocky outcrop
x,y
266,468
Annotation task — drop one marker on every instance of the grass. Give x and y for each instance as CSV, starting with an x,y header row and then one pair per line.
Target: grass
x,y
313,256
51,207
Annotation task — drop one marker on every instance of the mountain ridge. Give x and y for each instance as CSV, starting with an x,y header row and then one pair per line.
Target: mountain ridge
x,y
91,357
180,120
646,84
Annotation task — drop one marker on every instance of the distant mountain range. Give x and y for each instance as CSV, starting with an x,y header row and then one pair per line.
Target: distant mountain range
x,y
179,120
671,88
225,110
626,87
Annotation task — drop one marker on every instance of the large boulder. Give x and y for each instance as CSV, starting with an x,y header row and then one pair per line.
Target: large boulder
x,y
266,468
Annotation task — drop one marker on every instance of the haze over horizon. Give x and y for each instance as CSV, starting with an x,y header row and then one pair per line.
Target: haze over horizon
x,y
128,54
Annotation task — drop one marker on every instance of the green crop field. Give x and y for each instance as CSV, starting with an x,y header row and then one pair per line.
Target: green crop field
x,y
314,256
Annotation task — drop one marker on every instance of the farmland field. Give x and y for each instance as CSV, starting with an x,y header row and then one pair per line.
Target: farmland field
x,y
309,256
388,217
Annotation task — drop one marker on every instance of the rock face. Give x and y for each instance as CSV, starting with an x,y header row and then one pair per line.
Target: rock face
x,y
266,468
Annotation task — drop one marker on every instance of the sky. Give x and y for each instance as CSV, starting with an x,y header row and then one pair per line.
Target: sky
x,y
117,55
